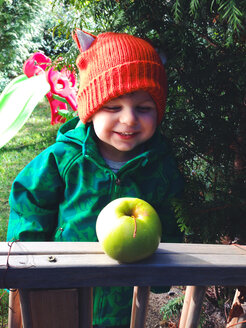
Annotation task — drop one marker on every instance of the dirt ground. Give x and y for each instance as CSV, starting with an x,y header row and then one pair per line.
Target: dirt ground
x,y
212,316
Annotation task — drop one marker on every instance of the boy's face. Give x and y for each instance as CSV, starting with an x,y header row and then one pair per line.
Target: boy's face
x,y
123,124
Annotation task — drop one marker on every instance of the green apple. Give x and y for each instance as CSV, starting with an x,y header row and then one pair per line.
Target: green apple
x,y
128,229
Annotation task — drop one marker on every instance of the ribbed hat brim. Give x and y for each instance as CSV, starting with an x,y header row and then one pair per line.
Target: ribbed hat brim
x,y
120,80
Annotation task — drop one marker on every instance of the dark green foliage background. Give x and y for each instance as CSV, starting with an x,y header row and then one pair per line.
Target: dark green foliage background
x,y
204,43
26,27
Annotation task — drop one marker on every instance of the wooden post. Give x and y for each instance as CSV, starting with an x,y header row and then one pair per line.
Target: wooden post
x,y
25,308
14,320
186,305
85,307
139,306
236,317
193,316
233,320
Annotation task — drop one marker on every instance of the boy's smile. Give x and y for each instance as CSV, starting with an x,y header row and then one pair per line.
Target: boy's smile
x,y
123,124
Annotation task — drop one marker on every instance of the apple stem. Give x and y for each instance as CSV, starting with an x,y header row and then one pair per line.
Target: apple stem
x,y
135,228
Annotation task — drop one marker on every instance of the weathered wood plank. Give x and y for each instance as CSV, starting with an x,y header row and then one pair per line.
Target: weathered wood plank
x,y
95,248
87,265
95,276
101,260
201,249
169,258
18,248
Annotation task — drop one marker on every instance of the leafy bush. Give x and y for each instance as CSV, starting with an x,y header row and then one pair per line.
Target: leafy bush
x,y
172,309
27,28
204,43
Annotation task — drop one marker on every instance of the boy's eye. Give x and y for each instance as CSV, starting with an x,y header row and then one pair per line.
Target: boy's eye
x,y
111,108
144,108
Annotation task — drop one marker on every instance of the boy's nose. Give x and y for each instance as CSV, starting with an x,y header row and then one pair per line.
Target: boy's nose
x,y
128,116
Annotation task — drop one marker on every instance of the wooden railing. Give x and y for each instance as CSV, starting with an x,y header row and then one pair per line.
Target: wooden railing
x,y
49,273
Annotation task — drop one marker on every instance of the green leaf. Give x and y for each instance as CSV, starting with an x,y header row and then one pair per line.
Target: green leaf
x,y
194,6
60,99
177,10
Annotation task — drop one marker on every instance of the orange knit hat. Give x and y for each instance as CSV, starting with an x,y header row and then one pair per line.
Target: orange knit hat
x,y
113,64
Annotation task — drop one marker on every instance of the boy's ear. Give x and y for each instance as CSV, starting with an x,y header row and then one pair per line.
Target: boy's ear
x,y
83,39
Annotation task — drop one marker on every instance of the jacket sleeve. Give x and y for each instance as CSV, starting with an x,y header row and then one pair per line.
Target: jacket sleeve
x,y
34,200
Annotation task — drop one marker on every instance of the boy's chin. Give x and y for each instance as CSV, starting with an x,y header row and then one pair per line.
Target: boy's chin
x,y
120,152
125,154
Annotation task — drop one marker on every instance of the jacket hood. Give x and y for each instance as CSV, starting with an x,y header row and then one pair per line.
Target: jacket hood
x,y
72,131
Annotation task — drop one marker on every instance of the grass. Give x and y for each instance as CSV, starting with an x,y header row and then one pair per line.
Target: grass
x,y
36,135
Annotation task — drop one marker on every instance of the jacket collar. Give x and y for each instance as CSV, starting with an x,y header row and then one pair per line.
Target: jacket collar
x,y
83,135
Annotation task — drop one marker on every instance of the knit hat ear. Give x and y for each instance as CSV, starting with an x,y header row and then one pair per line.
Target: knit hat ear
x,y
83,39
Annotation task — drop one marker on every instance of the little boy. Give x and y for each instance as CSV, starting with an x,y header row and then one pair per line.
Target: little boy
x,y
114,149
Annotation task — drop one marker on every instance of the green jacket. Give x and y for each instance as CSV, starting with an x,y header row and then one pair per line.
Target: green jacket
x,y
59,195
